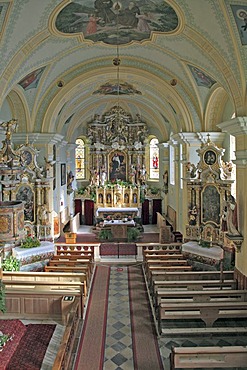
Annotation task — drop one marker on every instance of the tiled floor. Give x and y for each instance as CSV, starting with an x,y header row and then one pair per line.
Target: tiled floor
x,y
118,347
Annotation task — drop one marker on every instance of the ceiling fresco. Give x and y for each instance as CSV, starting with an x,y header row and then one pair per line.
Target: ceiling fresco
x,y
117,22
183,63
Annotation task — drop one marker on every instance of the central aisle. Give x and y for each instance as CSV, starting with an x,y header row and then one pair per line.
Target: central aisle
x,y
118,332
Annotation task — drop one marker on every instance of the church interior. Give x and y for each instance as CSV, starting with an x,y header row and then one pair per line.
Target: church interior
x,y
123,162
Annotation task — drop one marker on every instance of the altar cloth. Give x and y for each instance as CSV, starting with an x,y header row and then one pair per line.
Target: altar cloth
x,y
119,222
116,209
28,255
193,247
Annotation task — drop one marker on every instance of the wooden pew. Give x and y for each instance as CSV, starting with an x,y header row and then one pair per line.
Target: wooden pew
x,y
209,357
192,275
208,312
168,296
71,262
153,270
41,301
50,277
192,285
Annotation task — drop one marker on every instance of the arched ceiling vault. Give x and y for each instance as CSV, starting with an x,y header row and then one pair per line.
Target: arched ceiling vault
x,y
189,65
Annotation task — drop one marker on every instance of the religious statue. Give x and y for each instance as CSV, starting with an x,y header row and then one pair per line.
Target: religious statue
x,y
43,215
132,174
142,175
193,216
70,180
231,216
103,177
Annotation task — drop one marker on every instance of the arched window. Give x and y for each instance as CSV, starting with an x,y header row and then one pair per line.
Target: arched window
x,y
80,160
154,158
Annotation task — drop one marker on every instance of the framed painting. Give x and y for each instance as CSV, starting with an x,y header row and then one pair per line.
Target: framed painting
x,y
117,166
63,174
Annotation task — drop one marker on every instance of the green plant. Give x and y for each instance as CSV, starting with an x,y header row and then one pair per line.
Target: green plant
x,y
105,234
11,264
132,234
30,242
2,297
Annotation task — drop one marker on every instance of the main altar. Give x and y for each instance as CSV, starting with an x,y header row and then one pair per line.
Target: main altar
x,y
118,176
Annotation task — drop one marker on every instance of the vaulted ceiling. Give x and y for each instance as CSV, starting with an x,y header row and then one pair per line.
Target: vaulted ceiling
x,y
186,71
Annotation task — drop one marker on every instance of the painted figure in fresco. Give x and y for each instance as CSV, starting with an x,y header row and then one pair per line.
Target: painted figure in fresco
x,y
104,11
128,17
92,24
142,24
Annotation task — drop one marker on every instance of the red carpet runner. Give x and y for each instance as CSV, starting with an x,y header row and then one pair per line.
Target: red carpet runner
x,y
92,345
146,355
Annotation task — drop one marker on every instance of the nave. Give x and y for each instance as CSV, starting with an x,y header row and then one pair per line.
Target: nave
x,y
119,329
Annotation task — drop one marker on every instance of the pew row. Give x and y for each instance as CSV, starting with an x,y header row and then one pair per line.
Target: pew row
x,y
54,279
35,302
192,285
173,296
64,355
209,357
191,275
208,312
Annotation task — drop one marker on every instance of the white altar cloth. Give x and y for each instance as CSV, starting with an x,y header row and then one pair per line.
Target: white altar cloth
x,y
117,209
194,248
26,254
119,222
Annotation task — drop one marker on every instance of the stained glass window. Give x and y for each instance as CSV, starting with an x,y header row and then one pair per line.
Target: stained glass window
x,y
154,158
80,159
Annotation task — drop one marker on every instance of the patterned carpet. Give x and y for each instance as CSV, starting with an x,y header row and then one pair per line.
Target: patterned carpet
x,y
27,349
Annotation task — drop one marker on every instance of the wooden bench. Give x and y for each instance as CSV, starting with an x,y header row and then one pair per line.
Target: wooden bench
x,y
168,296
192,275
41,301
209,357
208,312
71,262
72,269
164,269
52,278
192,285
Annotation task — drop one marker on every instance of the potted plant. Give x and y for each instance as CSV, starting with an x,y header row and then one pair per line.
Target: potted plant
x,y
105,234
11,263
133,234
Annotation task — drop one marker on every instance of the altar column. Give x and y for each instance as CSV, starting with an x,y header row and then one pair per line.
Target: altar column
x,y
238,128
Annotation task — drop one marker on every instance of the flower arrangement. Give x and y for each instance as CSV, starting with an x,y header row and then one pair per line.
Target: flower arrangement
x,y
30,242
